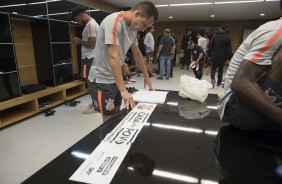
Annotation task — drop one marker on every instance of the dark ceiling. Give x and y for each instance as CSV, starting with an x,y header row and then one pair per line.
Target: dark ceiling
x,y
55,7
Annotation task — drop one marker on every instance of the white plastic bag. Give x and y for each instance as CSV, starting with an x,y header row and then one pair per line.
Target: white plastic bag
x,y
193,88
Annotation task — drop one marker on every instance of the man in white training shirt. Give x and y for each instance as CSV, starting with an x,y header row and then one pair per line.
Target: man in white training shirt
x,y
253,83
118,33
87,43
150,45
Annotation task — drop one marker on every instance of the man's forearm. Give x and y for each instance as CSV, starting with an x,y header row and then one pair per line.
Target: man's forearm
x,y
87,44
244,84
116,70
252,94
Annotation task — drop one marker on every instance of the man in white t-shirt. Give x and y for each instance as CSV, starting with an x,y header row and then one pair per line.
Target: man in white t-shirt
x,y
202,42
150,45
253,83
118,33
87,43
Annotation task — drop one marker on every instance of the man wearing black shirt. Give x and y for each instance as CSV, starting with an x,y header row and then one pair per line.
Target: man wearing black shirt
x,y
184,46
197,59
221,51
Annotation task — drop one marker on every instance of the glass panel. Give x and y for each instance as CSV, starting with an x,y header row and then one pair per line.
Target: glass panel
x,y
7,58
5,31
61,53
60,31
9,86
63,74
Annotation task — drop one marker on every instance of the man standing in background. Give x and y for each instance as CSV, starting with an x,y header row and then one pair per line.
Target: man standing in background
x,y
87,43
202,42
221,51
150,45
184,46
165,53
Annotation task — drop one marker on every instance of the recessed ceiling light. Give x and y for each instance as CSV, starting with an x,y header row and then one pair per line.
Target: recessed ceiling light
x,y
212,16
262,14
190,4
231,2
171,17
162,5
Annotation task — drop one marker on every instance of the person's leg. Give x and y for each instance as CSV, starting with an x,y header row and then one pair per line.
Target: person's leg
x,y
150,58
86,68
159,65
171,68
196,73
162,63
188,59
200,69
220,73
213,69
184,60
168,66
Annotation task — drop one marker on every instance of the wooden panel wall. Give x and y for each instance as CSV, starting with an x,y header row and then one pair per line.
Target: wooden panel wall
x,y
236,29
24,51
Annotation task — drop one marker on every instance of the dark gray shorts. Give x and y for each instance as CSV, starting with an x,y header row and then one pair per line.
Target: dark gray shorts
x,y
105,97
85,67
243,116
151,55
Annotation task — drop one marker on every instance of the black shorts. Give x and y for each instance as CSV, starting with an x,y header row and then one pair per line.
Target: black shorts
x,y
85,67
105,97
151,55
243,116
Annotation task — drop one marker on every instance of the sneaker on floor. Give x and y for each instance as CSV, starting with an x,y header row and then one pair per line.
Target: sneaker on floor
x,y
182,67
131,80
213,83
90,110
159,78
167,78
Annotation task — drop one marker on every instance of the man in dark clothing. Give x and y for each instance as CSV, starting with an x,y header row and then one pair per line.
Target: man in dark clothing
x,y
221,50
184,46
197,59
157,47
173,61
165,53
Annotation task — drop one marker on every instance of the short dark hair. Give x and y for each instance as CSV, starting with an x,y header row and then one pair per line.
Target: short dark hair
x,y
223,27
150,28
188,29
148,8
77,10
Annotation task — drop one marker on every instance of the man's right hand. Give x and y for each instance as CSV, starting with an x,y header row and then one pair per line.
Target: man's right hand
x,y
128,99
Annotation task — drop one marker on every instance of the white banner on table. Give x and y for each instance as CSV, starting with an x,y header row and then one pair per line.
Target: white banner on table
x,y
103,163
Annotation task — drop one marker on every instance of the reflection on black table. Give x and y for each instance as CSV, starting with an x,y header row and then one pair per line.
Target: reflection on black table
x,y
248,157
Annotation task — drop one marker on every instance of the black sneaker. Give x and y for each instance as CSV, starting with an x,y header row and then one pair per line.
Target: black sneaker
x,y
182,67
159,78
167,78
171,76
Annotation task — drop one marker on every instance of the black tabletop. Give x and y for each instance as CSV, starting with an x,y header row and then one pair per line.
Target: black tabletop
x,y
173,148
